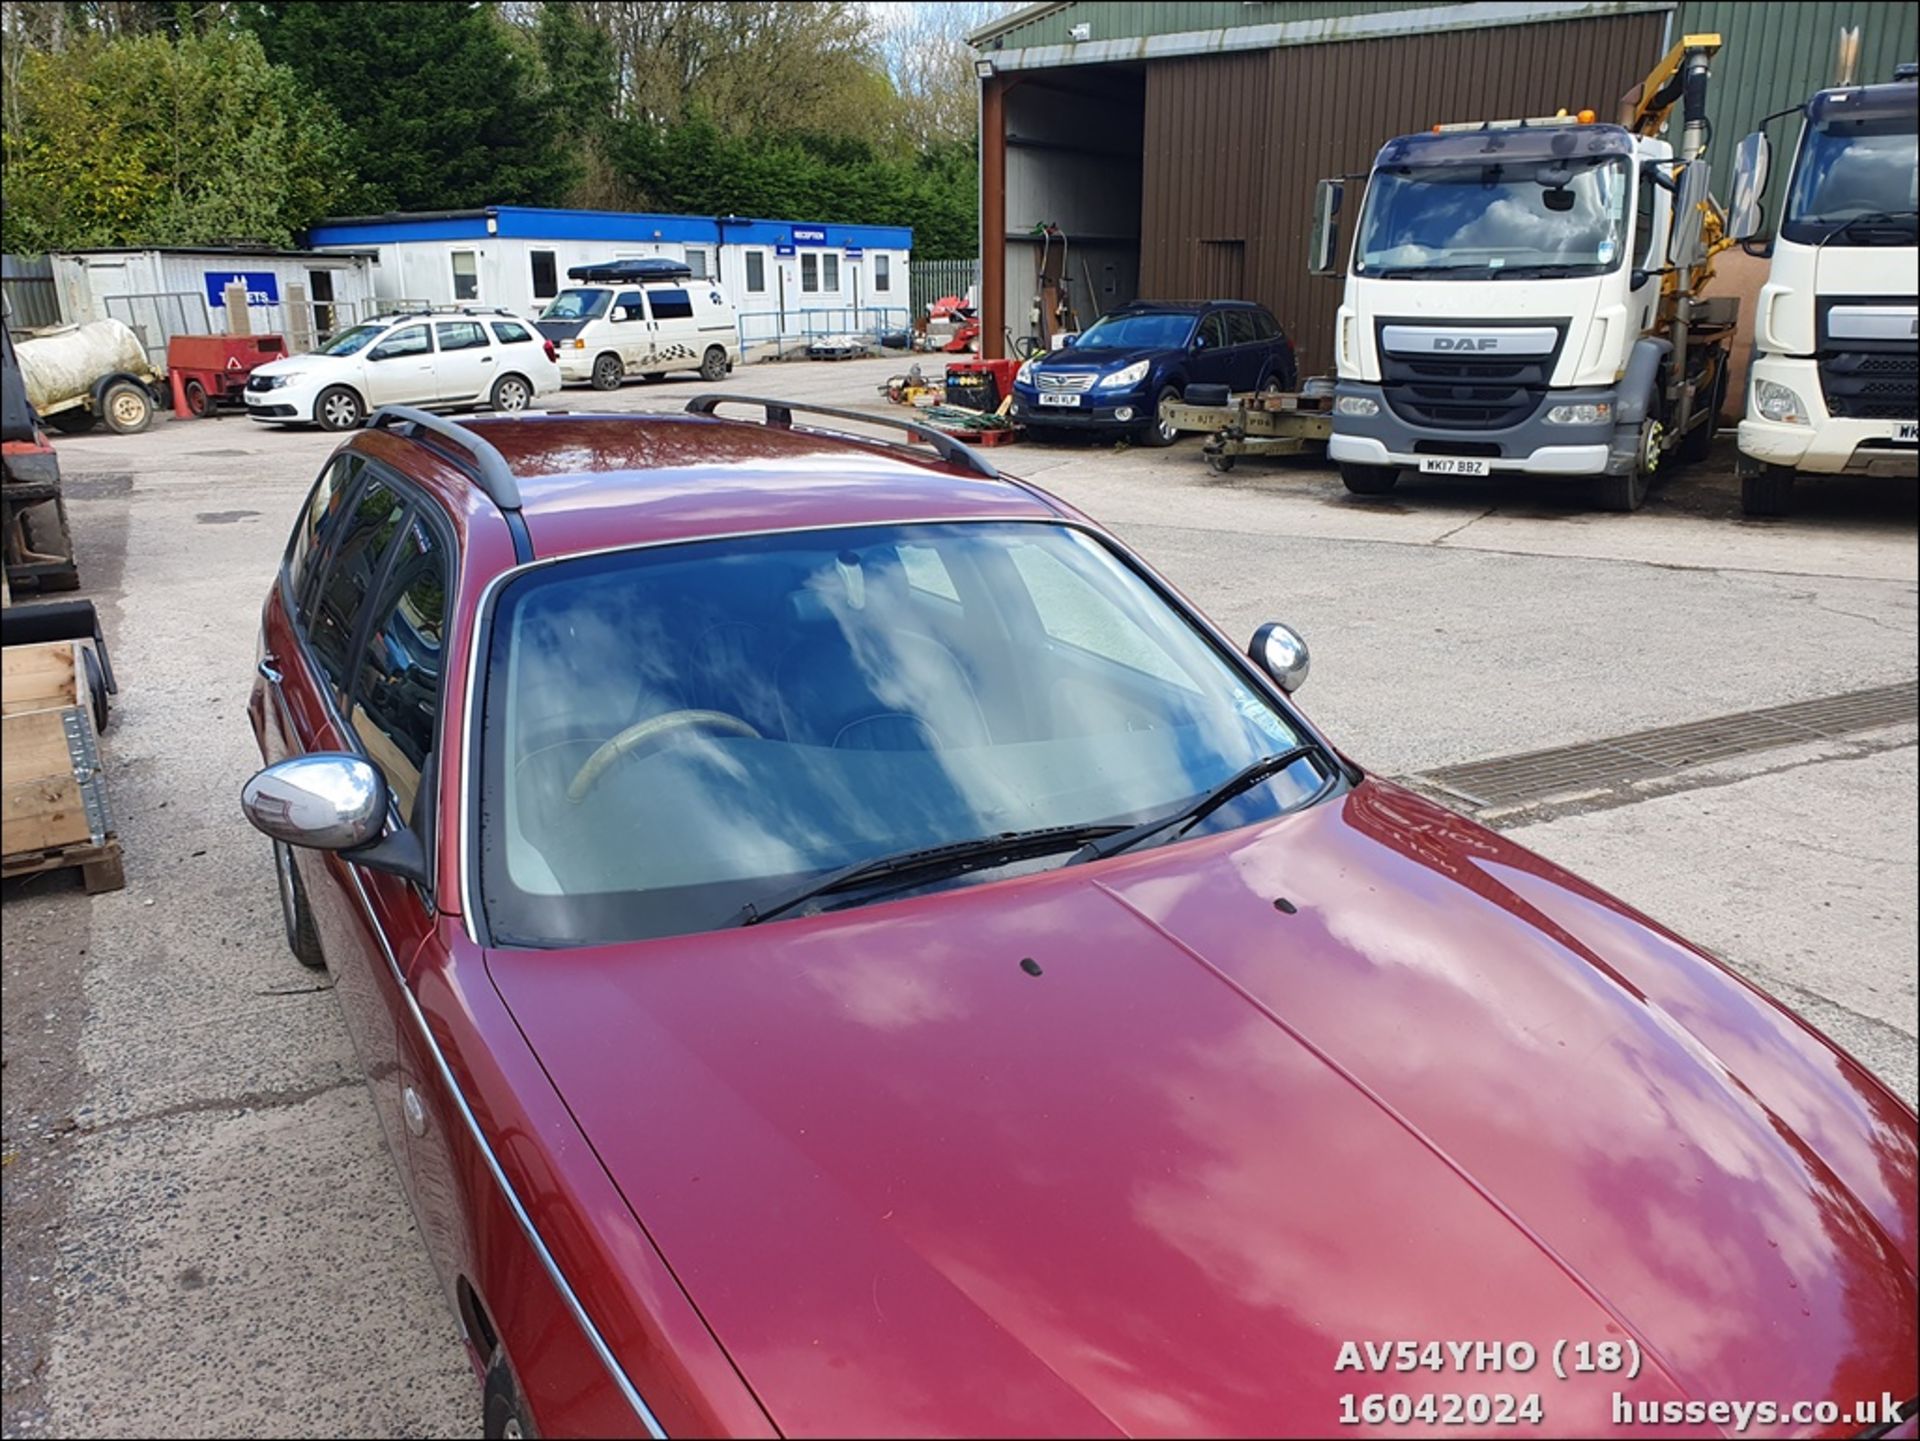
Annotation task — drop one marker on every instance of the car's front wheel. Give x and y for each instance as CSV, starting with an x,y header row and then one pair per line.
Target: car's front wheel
x,y
506,1409
302,939
1161,432
510,392
337,409
607,371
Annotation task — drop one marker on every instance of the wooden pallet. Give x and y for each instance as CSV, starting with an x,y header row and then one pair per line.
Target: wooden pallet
x,y
55,805
981,437
100,866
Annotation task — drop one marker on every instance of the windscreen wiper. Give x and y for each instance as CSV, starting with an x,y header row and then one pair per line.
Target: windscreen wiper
x,y
928,863
1199,809
1870,218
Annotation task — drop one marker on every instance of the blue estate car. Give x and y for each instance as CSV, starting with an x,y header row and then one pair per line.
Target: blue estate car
x,y
1119,370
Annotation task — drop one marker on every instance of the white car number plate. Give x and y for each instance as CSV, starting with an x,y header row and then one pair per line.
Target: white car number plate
x,y
1906,430
1451,465
1047,397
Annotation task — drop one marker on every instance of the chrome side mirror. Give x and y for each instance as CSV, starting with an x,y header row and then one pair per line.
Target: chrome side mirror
x,y
1278,650
327,801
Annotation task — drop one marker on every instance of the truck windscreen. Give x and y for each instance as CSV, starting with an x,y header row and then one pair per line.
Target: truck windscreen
x,y
1854,184
1481,219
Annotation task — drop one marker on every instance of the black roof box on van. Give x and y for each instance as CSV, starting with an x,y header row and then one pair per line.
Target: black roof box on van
x,y
616,271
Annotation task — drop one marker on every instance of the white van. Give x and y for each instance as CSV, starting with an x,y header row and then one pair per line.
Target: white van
x,y
640,317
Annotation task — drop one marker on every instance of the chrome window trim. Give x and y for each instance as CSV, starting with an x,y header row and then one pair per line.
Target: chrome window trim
x,y
579,1313
482,620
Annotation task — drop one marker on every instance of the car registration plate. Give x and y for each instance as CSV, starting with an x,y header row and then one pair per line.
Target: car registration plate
x,y
1451,465
1907,430
1047,397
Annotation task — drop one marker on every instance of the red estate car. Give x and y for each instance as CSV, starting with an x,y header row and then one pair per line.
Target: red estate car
x,y
840,948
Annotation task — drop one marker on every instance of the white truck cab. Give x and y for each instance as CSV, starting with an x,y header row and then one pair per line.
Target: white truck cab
x,y
640,317
1835,383
1522,296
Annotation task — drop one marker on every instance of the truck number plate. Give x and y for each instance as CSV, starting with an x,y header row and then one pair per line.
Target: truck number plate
x,y
1451,465
1047,397
1907,430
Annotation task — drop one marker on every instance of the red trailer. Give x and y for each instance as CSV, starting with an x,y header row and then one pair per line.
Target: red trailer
x,y
207,370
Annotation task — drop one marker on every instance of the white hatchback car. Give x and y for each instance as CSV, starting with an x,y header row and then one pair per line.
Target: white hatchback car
x,y
436,360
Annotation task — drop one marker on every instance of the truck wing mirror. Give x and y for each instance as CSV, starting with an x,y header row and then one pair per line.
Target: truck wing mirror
x,y
1684,247
1323,248
1750,164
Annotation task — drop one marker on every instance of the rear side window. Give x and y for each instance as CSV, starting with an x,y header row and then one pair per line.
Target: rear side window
x,y
461,335
316,521
365,533
1240,327
396,697
1265,327
670,304
510,333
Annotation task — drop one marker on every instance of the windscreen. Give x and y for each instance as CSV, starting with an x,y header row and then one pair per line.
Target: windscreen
x,y
1140,330
1858,174
352,342
577,305
674,732
1480,218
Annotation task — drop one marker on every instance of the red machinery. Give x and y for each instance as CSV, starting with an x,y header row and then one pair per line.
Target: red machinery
x,y
208,369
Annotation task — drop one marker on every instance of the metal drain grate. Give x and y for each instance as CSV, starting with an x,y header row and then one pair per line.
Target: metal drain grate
x,y
1565,770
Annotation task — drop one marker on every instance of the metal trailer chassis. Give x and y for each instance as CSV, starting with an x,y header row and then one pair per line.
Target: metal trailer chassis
x,y
1255,424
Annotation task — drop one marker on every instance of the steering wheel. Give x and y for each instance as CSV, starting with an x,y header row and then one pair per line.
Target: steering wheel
x,y
651,729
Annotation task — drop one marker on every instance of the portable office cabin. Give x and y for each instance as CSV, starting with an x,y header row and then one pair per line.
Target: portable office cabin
x,y
775,271
302,294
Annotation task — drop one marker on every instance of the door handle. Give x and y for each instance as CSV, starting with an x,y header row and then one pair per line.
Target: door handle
x,y
268,673
486,360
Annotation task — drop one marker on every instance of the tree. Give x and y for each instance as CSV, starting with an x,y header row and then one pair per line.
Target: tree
x,y
445,109
148,141
926,53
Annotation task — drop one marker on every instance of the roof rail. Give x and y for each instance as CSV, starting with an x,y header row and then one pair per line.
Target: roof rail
x,y
779,414
488,465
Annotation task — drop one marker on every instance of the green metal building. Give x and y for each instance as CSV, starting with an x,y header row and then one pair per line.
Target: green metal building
x,y
1176,142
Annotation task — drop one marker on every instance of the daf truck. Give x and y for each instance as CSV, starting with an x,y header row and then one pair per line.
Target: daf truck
x,y
1834,388
1524,297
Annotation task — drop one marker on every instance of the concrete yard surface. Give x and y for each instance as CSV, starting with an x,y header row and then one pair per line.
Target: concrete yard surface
x,y
204,1234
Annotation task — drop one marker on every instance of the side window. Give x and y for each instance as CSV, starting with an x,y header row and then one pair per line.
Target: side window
x,y
365,534
626,306
829,271
408,340
1213,332
882,272
670,304
1073,613
317,520
756,273
546,278
1643,219
926,572
810,271
396,696
697,262
510,332
1265,327
466,275
1240,327
460,335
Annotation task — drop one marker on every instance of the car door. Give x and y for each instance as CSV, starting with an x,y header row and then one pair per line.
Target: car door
x,y
350,906
1208,362
394,718
1246,362
464,362
400,367
632,330
676,335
